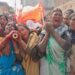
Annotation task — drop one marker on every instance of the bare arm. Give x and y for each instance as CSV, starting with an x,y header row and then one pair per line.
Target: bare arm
x,y
63,43
42,45
4,42
22,45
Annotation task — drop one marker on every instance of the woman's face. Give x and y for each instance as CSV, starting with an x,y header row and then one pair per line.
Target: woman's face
x,y
66,19
72,22
9,27
24,32
10,18
3,21
56,18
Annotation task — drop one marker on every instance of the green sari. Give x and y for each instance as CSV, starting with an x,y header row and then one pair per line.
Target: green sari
x,y
53,63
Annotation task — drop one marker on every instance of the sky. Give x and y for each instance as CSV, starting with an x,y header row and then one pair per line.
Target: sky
x,y
13,3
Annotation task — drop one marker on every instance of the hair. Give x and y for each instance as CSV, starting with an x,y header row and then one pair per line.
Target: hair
x,y
15,27
69,11
70,17
23,26
4,16
57,9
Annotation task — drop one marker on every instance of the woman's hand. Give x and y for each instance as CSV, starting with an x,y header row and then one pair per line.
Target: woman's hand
x,y
49,28
13,35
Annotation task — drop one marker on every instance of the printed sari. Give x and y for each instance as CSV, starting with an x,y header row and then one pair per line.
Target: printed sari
x,y
8,66
53,63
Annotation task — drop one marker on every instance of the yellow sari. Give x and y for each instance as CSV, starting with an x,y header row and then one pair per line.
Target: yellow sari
x,y
31,67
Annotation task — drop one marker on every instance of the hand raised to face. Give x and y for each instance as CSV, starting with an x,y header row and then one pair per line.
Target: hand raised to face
x,y
49,27
13,35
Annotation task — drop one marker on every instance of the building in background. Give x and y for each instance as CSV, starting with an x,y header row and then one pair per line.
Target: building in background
x,y
60,2
5,8
48,4
69,5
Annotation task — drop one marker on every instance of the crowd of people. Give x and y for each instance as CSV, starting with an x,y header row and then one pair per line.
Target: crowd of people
x,y
45,48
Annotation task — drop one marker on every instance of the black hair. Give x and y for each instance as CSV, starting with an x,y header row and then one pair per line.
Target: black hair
x,y
69,11
24,26
4,16
73,14
57,9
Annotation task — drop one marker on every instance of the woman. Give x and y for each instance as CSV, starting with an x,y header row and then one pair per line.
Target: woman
x,y
9,49
3,22
31,67
8,64
53,62
66,16
60,27
72,32
62,30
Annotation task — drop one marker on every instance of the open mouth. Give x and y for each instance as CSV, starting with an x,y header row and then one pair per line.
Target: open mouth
x,y
56,20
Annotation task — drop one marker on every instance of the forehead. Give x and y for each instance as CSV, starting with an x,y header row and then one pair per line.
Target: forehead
x,y
10,24
21,27
57,12
66,15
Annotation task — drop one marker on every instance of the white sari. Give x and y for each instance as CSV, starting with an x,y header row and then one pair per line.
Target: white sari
x,y
53,63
